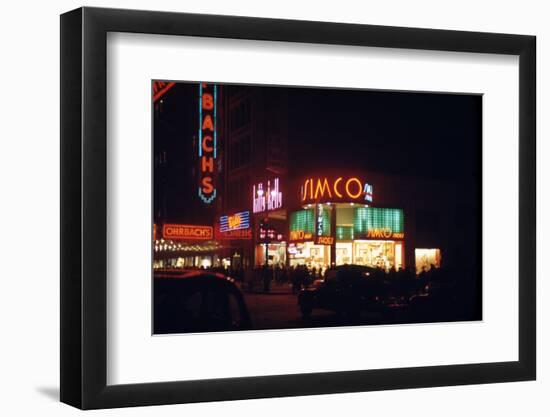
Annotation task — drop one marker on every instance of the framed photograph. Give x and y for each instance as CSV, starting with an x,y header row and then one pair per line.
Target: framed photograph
x,y
257,208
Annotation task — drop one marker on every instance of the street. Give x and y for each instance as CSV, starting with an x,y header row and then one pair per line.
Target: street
x,y
279,309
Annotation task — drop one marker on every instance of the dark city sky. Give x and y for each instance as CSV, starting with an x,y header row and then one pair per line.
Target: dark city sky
x,y
431,135
428,135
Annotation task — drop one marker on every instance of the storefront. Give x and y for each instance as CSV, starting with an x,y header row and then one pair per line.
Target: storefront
x,y
276,254
369,236
309,254
234,231
169,254
186,246
270,246
425,259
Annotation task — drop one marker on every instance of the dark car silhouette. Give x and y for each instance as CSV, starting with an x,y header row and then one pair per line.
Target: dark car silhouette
x,y
346,289
197,301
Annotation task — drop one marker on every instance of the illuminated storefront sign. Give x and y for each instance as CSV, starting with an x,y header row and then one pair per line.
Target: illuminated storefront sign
x,y
324,240
296,235
187,232
267,196
235,221
384,233
207,143
323,189
160,88
368,223
240,234
378,223
320,220
302,225
323,220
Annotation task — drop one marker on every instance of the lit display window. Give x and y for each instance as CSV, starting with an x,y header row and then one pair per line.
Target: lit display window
x,y
303,220
374,222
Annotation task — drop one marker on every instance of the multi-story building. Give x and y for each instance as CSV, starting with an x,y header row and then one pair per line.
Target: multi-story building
x,y
254,172
238,161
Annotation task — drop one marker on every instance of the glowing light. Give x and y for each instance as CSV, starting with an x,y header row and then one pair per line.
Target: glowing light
x,y
266,196
207,144
235,221
356,181
160,88
375,222
344,189
186,232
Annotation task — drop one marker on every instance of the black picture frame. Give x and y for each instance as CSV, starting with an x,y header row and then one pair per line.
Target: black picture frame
x,y
84,207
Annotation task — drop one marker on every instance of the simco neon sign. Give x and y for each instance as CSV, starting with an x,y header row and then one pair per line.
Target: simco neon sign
x,y
321,189
207,141
268,197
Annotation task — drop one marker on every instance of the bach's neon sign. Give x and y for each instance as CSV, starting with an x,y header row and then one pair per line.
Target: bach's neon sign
x,y
323,189
207,141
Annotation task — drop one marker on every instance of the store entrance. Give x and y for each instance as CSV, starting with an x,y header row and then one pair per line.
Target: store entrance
x,y
385,254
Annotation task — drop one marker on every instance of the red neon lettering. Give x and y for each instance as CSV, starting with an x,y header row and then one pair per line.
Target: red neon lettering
x,y
207,123
207,101
338,194
207,186
322,186
304,196
205,147
207,164
360,187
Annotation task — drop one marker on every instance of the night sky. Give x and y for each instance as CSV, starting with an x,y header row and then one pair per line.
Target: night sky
x,y
429,135
417,134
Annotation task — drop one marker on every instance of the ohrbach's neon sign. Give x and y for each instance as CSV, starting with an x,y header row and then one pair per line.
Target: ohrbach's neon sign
x,y
321,189
207,142
187,232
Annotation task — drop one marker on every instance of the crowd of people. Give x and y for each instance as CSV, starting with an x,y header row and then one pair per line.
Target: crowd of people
x,y
264,278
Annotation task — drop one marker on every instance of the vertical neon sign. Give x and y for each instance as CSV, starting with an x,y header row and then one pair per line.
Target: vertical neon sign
x,y
208,99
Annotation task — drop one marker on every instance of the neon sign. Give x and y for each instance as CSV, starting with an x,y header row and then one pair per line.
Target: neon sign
x,y
320,220
378,223
266,198
160,88
324,240
241,234
207,141
384,233
187,232
235,221
339,189
300,235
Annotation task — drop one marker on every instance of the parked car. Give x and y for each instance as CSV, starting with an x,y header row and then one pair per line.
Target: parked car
x,y
346,289
438,304
197,301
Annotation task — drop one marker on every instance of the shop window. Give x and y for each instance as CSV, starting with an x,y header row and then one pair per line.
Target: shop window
x,y
425,259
